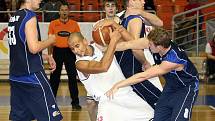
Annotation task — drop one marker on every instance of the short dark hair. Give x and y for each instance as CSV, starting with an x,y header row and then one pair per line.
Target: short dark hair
x,y
77,34
65,3
160,36
105,1
19,3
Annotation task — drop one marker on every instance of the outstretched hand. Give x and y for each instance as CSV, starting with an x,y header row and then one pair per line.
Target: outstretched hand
x,y
110,93
115,35
102,23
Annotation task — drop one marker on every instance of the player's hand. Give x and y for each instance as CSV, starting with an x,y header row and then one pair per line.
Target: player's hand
x,y
146,66
52,64
115,35
110,93
102,23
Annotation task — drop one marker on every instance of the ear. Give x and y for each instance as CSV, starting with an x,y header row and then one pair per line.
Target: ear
x,y
85,41
160,47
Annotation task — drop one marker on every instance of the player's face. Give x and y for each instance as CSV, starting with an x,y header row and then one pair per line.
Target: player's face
x,y
64,11
110,9
35,4
77,46
153,47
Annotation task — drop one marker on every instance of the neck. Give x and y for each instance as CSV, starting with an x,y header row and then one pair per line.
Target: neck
x,y
26,6
110,17
64,20
164,51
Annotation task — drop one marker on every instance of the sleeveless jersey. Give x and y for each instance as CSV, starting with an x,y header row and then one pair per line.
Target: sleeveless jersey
x,y
98,84
22,61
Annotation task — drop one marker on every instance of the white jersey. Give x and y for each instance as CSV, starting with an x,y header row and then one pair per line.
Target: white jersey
x,y
126,105
98,84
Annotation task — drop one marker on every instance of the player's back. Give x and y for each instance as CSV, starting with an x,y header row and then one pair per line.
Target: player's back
x,y
98,84
22,61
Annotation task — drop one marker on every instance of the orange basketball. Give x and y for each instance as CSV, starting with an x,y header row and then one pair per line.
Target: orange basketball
x,y
101,36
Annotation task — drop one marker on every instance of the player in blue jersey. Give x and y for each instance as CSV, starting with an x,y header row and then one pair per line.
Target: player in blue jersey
x,y
31,95
182,81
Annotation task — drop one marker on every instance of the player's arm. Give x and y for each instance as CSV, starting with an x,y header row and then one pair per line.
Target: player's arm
x,y
208,51
138,44
50,32
137,9
34,45
93,67
153,71
152,18
134,27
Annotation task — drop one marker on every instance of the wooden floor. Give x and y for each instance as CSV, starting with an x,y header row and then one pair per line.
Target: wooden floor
x,y
204,109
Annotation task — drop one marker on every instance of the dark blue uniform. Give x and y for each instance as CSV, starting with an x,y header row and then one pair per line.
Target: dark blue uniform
x,y
31,95
180,91
130,66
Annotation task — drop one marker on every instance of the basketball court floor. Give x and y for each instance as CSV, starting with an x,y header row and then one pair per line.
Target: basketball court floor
x,y
204,109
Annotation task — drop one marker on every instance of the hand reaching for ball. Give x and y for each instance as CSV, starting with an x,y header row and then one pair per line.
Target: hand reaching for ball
x,y
115,35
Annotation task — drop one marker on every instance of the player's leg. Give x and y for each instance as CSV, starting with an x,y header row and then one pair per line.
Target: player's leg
x,y
92,108
43,104
135,108
163,111
19,110
55,76
70,59
182,104
109,110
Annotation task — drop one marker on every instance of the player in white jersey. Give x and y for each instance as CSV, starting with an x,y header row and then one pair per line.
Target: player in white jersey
x,y
98,72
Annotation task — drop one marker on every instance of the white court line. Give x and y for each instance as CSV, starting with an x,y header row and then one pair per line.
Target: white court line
x,y
212,107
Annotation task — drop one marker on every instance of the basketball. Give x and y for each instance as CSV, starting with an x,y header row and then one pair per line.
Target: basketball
x,y
102,36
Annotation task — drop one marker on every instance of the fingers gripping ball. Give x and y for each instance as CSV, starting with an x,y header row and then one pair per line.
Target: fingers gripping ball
x,y
101,36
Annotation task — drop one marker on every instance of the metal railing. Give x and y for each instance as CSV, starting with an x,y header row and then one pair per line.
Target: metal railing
x,y
45,11
191,37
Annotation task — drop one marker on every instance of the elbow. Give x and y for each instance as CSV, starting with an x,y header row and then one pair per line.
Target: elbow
x,y
34,50
105,68
159,23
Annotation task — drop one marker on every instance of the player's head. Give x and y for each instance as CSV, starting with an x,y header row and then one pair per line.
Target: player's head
x,y
32,4
64,11
110,7
159,38
77,43
130,3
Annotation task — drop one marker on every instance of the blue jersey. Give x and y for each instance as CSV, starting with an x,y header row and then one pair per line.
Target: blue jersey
x,y
128,63
22,61
179,79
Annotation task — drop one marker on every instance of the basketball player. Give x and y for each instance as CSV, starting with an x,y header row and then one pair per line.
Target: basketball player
x,y
110,8
98,72
31,95
182,81
131,61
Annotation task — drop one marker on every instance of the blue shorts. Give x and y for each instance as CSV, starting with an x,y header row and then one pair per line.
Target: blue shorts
x,y
33,101
176,106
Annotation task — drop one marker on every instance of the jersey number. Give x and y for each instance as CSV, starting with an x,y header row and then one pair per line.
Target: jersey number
x,y
11,35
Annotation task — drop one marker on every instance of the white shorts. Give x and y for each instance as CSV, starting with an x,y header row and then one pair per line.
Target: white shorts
x,y
129,107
